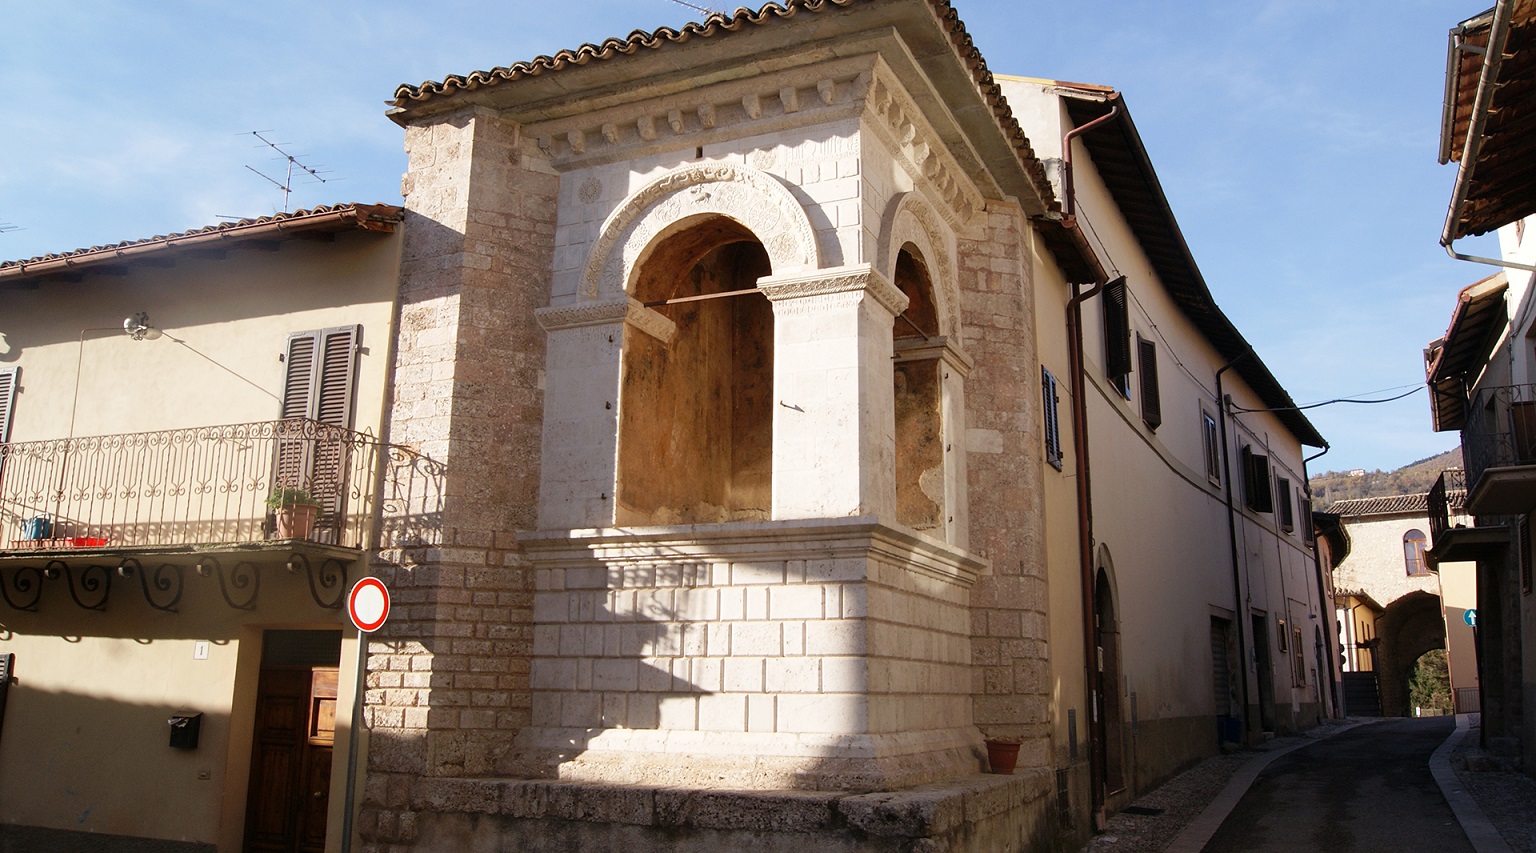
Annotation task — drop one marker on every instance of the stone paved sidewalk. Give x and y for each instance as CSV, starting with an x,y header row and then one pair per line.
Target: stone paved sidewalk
x,y
1507,798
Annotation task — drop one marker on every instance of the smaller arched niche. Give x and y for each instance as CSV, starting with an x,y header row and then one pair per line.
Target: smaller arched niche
x,y
921,485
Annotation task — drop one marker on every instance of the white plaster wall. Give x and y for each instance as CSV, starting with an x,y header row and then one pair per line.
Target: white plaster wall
x,y
1375,562
1162,517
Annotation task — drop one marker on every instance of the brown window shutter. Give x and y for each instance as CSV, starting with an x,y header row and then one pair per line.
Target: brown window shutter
x,y
1283,501
1151,402
321,372
1117,332
299,379
1049,403
9,378
1256,492
337,374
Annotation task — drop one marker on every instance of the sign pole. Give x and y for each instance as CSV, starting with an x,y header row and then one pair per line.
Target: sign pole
x,y
368,608
352,739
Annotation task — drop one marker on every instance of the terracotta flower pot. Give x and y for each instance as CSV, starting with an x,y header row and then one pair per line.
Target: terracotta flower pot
x,y
1002,755
296,521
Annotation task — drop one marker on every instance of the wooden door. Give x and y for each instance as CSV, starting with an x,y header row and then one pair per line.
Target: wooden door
x,y
289,793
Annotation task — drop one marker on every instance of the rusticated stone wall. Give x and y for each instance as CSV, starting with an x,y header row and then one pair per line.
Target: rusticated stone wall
x,y
1011,669
448,675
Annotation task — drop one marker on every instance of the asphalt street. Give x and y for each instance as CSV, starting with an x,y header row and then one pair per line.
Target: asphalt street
x,y
1365,790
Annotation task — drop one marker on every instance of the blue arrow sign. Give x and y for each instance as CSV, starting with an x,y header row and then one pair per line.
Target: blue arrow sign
x,y
1470,617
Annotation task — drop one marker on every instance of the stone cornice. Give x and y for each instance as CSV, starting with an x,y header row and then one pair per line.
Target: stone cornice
x,y
901,124
839,280
759,105
794,539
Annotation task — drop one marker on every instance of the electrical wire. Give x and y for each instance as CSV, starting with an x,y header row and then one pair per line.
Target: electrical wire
x,y
1414,390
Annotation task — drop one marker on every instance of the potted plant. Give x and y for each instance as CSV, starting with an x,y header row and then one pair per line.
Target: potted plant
x,y
1002,754
293,511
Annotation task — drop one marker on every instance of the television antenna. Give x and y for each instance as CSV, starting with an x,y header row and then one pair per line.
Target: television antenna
x,y
6,227
703,10
293,165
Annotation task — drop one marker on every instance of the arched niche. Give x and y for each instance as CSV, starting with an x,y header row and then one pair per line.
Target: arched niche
x,y
911,225
695,440
928,370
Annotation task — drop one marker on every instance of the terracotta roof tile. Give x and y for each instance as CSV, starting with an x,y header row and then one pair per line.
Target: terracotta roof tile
x,y
380,215
1392,505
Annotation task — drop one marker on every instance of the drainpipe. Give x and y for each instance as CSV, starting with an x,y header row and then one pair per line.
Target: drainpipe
x,y
1085,532
1069,215
1084,491
1323,603
1240,611
1487,82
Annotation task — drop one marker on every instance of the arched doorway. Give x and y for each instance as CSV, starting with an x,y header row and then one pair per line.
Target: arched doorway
x,y
1106,641
1409,627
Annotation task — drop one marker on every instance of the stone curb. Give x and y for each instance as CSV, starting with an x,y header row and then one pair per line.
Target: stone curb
x,y
1480,831
1197,833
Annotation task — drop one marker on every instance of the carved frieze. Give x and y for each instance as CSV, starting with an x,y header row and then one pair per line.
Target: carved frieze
x,y
626,310
920,149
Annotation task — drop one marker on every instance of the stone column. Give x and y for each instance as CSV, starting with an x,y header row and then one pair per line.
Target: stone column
x,y
834,439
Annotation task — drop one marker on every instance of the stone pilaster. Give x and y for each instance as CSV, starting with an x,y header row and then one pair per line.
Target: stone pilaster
x,y
1009,621
834,442
448,676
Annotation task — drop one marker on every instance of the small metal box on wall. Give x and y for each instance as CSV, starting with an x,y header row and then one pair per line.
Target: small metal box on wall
x,y
7,667
184,730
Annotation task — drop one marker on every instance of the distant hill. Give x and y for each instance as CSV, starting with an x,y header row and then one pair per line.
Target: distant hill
x,y
1411,479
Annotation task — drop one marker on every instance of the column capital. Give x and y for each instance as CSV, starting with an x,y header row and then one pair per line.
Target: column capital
x,y
626,310
825,282
943,348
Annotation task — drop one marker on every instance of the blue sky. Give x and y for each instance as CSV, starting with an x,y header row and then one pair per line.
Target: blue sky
x,y
1296,142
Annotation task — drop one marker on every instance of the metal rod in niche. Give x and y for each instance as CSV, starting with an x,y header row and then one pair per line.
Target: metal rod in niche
x,y
916,328
700,297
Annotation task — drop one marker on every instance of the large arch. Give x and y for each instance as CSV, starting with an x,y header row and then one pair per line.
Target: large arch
x,y
1409,627
755,199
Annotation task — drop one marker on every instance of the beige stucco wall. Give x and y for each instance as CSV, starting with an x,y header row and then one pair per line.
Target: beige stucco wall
x,y
85,740
85,735
1158,519
234,314
1458,594
1376,561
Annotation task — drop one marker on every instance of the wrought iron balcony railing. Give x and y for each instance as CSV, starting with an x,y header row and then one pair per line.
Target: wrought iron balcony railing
x,y
211,485
1446,498
1500,430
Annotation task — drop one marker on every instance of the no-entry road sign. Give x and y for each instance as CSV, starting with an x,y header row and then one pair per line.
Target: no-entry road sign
x,y
368,604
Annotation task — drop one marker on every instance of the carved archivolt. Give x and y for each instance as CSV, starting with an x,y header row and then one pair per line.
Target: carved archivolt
x,y
751,197
910,219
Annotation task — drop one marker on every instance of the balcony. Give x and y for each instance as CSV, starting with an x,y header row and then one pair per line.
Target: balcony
x,y
1455,541
1499,449
86,509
